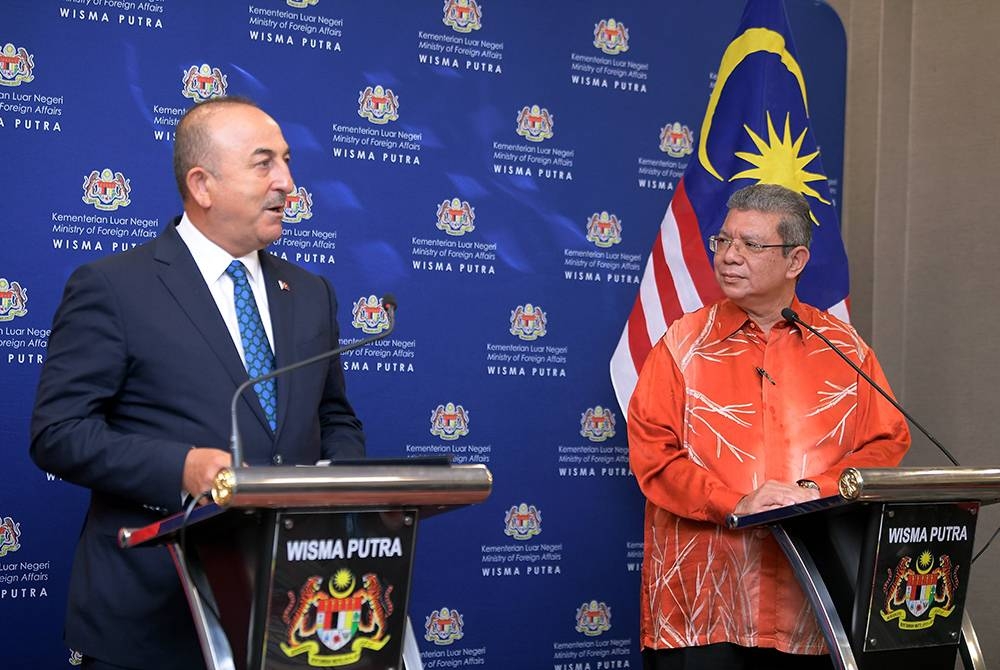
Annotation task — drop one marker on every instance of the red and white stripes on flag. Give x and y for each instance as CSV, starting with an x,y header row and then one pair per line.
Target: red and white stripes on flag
x,y
678,278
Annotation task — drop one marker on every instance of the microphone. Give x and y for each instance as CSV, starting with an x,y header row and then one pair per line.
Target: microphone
x,y
235,442
789,315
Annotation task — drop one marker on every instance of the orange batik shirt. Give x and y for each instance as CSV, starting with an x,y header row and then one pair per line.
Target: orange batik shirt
x,y
705,428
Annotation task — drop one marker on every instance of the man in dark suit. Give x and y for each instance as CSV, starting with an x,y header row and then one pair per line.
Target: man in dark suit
x,y
147,348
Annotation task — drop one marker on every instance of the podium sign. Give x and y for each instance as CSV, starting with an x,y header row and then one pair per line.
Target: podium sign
x,y
886,564
918,580
339,589
304,567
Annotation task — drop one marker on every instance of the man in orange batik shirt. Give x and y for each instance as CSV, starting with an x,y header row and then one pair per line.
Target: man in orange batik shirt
x,y
738,411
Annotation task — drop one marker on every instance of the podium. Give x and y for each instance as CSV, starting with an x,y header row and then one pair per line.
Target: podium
x,y
886,563
303,567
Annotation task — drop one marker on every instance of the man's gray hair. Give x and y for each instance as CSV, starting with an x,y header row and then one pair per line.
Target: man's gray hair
x,y
795,225
192,141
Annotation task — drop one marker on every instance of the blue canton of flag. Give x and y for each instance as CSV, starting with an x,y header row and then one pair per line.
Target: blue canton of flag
x,y
757,129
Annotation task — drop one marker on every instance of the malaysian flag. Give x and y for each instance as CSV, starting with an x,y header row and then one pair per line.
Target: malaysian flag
x,y
756,129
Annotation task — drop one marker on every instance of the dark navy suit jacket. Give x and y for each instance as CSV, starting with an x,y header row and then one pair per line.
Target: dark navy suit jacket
x,y
141,367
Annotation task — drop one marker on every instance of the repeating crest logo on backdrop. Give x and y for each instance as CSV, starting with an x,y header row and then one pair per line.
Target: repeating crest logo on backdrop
x,y
13,301
535,123
298,206
463,16
597,424
528,322
204,83
444,626
16,65
456,217
611,37
378,105
593,618
10,536
301,4
106,190
369,315
604,230
449,421
522,522
343,614
676,140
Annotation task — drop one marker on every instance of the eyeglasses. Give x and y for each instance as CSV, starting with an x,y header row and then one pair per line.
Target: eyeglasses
x,y
718,242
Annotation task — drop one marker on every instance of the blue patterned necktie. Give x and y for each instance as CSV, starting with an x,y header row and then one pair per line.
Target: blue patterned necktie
x,y
256,348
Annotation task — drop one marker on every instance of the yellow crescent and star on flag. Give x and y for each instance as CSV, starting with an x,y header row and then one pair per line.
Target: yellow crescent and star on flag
x,y
778,160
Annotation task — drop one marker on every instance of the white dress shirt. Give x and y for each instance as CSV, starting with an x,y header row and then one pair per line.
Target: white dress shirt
x,y
212,260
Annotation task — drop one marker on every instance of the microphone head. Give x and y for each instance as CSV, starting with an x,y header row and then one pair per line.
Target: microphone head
x,y
389,300
788,314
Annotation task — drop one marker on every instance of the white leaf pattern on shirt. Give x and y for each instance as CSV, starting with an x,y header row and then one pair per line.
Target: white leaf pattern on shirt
x,y
714,606
709,406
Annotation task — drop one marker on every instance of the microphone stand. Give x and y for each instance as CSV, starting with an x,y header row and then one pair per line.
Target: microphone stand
x,y
235,441
789,315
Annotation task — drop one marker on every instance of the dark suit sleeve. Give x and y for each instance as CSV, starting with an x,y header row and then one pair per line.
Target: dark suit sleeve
x,y
340,427
73,433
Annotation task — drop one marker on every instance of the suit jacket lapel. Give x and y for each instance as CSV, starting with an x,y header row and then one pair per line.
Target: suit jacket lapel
x,y
180,275
280,303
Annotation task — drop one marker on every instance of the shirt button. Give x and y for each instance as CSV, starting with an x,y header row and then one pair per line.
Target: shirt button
x,y
276,459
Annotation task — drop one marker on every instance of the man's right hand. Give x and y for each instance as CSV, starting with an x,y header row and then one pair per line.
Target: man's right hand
x,y
771,495
200,468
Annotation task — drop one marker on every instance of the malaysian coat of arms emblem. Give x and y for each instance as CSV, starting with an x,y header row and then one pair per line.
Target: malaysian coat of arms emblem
x,y
925,590
343,614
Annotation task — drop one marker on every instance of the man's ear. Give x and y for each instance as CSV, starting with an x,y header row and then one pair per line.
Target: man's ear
x,y
797,262
198,183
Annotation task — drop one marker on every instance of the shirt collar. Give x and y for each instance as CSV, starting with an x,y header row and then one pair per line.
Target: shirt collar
x,y
211,259
730,317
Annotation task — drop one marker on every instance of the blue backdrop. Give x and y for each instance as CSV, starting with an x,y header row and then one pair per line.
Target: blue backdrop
x,y
500,166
